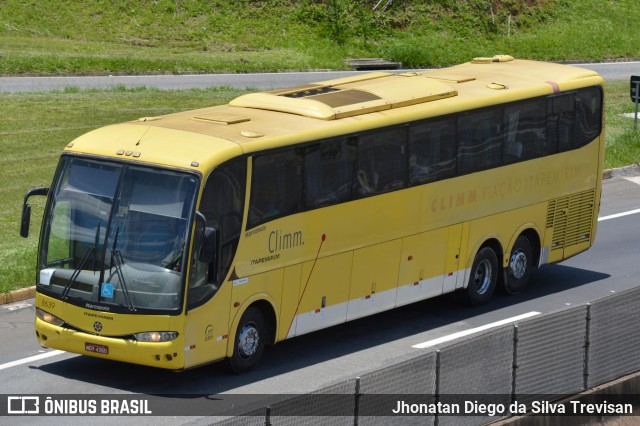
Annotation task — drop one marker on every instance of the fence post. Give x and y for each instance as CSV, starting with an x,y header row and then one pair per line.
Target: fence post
x,y
267,416
635,96
436,392
635,119
356,405
514,366
587,344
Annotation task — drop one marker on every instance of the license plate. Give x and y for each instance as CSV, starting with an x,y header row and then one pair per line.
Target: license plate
x,y
99,349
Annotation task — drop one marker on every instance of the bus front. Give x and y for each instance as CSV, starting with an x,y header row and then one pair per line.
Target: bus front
x,y
112,260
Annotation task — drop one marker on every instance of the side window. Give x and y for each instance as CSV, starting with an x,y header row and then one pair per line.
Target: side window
x,y
525,133
588,115
222,205
328,173
479,142
432,151
382,163
562,121
276,188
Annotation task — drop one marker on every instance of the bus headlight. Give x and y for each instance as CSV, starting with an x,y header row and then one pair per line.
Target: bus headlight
x,y
48,318
156,336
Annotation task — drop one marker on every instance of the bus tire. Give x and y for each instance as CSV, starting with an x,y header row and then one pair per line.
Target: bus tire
x,y
482,279
249,341
518,271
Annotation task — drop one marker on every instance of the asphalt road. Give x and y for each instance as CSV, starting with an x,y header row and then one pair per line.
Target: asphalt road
x,y
261,81
313,361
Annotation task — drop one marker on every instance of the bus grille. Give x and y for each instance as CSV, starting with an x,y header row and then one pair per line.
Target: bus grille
x,y
571,219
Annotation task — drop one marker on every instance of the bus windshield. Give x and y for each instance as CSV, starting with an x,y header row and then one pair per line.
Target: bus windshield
x,y
115,235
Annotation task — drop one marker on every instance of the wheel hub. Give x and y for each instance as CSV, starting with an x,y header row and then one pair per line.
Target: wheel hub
x,y
518,264
248,341
482,278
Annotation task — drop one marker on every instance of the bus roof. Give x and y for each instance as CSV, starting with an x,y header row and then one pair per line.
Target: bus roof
x,y
260,121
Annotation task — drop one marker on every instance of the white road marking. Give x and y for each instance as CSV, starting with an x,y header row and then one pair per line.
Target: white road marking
x,y
617,215
17,306
459,334
634,179
30,359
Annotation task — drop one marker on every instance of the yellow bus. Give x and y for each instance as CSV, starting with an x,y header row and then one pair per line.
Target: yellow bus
x,y
183,239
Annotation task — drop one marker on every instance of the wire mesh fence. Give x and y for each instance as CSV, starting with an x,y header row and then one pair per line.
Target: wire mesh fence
x,y
543,357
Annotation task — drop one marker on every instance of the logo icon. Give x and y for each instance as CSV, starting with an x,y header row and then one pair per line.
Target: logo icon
x,y
23,405
97,326
107,290
208,333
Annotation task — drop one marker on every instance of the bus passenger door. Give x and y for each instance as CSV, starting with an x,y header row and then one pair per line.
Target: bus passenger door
x,y
209,289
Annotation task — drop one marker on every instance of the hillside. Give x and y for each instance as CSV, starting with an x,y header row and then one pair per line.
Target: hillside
x,y
189,36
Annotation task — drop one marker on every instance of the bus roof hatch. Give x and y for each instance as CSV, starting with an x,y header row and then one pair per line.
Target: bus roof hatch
x,y
351,96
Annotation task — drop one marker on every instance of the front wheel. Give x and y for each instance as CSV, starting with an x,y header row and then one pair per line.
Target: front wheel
x,y
517,273
483,278
249,341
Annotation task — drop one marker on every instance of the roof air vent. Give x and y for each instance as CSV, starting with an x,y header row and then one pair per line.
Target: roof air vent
x,y
496,58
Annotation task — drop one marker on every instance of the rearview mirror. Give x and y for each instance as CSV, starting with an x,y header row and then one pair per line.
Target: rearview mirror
x,y
26,220
26,210
206,239
209,245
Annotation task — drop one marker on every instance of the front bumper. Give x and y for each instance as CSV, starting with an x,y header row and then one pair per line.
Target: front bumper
x,y
168,355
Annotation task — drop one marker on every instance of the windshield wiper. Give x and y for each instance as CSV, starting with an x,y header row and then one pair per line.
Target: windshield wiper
x,y
119,261
59,262
95,248
85,257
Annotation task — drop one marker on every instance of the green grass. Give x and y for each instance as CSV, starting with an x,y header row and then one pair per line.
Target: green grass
x,y
623,142
190,36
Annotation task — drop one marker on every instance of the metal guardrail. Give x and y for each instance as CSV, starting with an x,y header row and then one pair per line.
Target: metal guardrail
x,y
554,356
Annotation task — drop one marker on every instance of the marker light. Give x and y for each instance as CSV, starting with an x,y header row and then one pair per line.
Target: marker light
x,y
156,336
48,318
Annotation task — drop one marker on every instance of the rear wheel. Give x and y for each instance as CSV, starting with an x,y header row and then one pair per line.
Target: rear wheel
x,y
483,278
249,341
517,273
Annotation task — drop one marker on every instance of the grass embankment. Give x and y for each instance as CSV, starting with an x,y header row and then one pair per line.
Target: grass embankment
x,y
144,36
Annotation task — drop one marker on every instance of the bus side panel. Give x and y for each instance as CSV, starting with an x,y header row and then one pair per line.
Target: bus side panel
x,y
324,295
422,263
455,273
374,280
207,329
